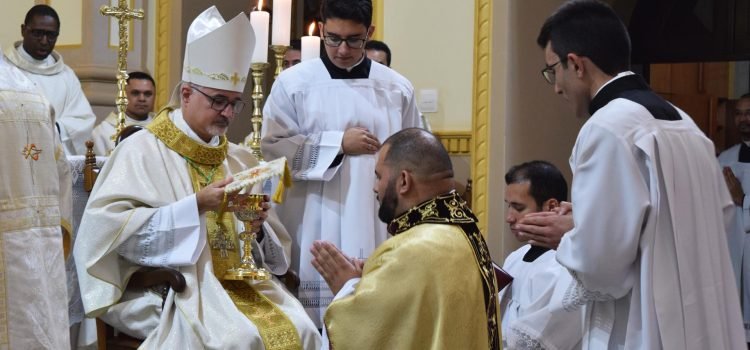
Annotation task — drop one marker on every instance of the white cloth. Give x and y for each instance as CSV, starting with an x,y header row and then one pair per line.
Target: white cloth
x,y
34,189
102,134
531,308
648,252
203,316
739,240
306,115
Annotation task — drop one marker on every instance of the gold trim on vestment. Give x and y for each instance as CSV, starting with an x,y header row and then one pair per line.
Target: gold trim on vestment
x,y
177,141
275,328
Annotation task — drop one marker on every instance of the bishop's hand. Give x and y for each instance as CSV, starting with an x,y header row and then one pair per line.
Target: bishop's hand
x,y
335,267
358,140
211,197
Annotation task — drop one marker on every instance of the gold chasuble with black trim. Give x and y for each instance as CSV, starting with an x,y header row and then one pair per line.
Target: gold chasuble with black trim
x,y
429,286
451,209
205,165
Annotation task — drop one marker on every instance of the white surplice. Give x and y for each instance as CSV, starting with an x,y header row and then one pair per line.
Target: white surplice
x,y
648,253
61,87
305,117
35,189
143,203
102,134
532,317
739,238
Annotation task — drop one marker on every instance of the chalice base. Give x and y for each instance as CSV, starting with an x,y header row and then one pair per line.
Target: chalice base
x,y
245,273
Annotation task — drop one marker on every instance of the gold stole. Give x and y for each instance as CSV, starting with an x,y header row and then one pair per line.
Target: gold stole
x,y
205,167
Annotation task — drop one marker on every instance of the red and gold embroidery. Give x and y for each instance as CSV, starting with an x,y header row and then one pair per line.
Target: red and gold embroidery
x,y
30,150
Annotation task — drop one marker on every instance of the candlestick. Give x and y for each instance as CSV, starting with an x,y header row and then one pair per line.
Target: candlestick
x,y
258,70
259,22
278,52
282,18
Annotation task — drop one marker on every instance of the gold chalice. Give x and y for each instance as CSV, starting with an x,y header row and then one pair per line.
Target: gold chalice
x,y
247,208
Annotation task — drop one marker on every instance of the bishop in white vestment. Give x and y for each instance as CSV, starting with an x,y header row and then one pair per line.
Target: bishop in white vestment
x,y
36,57
35,203
146,210
310,109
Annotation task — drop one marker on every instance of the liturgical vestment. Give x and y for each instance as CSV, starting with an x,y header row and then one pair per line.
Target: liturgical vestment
x,y
430,286
60,85
648,253
145,175
35,200
102,134
309,108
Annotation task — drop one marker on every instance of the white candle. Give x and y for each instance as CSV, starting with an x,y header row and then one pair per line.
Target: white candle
x,y
259,21
310,45
282,22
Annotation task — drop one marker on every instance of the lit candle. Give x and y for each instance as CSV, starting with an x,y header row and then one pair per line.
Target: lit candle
x,y
310,45
282,18
259,21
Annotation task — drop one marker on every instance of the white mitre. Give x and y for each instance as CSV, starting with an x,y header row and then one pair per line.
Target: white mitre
x,y
218,53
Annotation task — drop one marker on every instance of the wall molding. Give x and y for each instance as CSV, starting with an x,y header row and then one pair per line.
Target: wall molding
x,y
481,109
163,53
456,142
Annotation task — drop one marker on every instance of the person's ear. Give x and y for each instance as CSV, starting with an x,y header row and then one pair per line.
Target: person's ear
x,y
577,63
550,204
185,92
405,182
321,29
370,31
23,28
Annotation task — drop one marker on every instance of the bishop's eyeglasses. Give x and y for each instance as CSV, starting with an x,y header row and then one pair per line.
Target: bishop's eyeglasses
x,y
219,103
549,72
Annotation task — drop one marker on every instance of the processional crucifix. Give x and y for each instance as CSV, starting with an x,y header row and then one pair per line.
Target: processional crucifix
x,y
123,14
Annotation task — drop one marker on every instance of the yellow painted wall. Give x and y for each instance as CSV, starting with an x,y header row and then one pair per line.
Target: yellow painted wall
x,y
71,21
11,18
432,46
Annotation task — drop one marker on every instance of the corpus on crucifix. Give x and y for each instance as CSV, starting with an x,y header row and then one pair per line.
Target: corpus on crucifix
x,y
123,14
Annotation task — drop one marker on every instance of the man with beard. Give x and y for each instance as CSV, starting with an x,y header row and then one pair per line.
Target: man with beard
x,y
140,91
736,164
38,60
432,282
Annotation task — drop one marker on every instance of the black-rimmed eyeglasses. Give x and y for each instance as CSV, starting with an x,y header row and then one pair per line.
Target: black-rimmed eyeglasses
x,y
549,72
353,43
219,103
40,33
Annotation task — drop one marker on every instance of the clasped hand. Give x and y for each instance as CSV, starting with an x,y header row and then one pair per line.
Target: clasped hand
x,y
335,266
358,140
546,229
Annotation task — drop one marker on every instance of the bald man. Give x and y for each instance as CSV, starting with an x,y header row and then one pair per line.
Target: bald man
x,y
405,295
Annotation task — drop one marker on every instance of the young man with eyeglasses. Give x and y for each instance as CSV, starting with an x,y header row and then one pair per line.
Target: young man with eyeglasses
x,y
735,162
160,201
647,246
328,117
35,56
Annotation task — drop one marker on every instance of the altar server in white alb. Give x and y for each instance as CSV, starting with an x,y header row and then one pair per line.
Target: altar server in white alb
x,y
328,116
140,91
36,57
648,251
35,202
159,202
736,163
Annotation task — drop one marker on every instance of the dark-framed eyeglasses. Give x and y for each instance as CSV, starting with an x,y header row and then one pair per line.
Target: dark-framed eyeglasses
x,y
549,72
220,103
40,33
353,43
742,113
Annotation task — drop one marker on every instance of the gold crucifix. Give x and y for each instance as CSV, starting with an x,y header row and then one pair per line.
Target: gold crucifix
x,y
123,14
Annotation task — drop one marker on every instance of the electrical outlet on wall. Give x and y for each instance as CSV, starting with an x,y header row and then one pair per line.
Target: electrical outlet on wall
x,y
428,100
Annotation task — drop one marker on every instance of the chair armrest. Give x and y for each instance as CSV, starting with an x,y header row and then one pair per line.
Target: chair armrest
x,y
148,277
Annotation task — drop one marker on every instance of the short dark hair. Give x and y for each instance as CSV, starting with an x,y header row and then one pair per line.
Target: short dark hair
x,y
418,151
295,44
41,11
141,76
746,95
545,180
588,28
379,46
359,11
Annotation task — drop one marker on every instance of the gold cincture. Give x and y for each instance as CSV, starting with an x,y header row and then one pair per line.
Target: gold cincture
x,y
123,14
